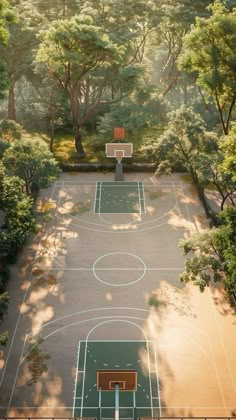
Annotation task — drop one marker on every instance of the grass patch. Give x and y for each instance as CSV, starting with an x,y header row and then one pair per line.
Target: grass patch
x,y
94,146
81,207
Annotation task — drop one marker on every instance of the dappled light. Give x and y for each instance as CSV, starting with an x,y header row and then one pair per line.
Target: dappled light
x,y
117,208
176,221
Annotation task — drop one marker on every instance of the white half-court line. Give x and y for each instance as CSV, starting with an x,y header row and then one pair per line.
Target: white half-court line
x,y
24,297
122,284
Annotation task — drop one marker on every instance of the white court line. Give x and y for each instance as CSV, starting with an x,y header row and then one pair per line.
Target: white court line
x,y
122,308
144,202
177,203
77,225
122,284
165,183
213,354
76,377
222,342
150,381
128,322
139,199
120,319
165,406
82,396
157,377
129,223
114,269
24,297
100,198
95,199
17,371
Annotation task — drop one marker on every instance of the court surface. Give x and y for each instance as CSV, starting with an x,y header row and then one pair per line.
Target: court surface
x,y
113,355
100,279
119,197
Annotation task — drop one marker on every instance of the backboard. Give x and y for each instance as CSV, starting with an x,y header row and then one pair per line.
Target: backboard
x,y
107,379
119,149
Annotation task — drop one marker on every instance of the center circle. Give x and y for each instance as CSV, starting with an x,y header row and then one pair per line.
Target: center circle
x,y
119,269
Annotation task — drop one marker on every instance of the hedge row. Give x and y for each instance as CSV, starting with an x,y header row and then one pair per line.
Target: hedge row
x,y
93,167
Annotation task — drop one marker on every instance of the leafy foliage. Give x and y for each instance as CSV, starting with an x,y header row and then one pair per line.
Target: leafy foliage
x,y
17,208
31,162
209,50
10,130
214,254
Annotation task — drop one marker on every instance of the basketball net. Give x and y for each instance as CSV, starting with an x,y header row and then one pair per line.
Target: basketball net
x,y
119,154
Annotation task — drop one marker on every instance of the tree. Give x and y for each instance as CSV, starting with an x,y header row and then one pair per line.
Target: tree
x,y
10,130
214,256
182,141
73,49
209,169
19,221
4,300
209,50
6,16
31,162
143,108
19,54
228,148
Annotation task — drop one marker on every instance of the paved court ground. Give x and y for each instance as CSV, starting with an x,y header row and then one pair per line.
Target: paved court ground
x,y
98,285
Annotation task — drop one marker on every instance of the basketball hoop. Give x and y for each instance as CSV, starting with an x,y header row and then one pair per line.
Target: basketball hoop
x,y
116,380
119,154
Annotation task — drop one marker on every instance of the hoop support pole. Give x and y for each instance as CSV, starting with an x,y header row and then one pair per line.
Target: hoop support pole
x,y
134,404
116,401
99,402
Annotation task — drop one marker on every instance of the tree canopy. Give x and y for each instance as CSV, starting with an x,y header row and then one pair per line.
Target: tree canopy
x,y
216,254
209,50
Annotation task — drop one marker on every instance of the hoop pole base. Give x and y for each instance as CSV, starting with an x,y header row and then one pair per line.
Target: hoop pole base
x,y
119,176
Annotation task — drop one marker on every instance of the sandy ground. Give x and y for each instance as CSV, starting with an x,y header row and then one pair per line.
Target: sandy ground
x,y
86,276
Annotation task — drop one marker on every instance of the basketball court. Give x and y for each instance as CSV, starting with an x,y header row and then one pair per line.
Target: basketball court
x,y
98,289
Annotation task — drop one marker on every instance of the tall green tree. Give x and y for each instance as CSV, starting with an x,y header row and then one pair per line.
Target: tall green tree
x,y
6,17
182,141
209,50
17,207
77,53
19,54
228,148
214,257
32,163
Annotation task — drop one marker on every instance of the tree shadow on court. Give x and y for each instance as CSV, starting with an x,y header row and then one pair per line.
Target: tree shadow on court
x,y
39,387
220,301
169,304
178,299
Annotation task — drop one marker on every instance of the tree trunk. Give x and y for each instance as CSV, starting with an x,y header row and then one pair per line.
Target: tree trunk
x,y
78,142
11,114
52,128
76,128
